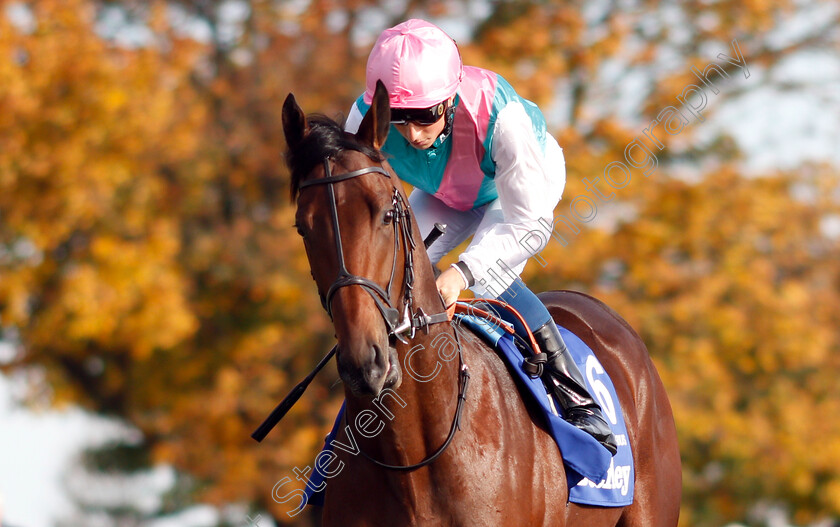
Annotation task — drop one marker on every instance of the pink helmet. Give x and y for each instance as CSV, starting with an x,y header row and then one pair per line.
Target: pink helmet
x,y
418,62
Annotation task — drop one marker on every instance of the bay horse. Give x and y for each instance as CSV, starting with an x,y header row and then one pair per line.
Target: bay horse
x,y
435,455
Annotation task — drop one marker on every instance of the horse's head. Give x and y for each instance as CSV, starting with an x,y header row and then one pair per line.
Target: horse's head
x,y
352,215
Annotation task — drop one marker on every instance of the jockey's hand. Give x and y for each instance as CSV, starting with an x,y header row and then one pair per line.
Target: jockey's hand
x,y
450,284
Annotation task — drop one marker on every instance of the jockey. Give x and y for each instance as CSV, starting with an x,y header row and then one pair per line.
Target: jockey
x,y
481,162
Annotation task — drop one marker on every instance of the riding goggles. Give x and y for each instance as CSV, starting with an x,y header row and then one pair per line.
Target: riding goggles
x,y
419,116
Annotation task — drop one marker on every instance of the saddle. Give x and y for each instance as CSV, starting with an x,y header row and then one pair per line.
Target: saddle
x,y
594,478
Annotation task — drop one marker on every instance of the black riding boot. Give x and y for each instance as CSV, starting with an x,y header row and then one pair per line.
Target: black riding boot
x,y
566,382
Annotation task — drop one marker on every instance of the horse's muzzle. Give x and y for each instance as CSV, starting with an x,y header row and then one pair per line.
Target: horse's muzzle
x,y
369,370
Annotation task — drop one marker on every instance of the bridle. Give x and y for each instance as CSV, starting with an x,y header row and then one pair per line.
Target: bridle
x,y
412,319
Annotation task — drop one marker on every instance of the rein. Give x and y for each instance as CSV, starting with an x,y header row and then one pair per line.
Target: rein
x,y
463,383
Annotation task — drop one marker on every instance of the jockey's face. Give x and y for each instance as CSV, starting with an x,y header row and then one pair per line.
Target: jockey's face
x,y
419,136
422,136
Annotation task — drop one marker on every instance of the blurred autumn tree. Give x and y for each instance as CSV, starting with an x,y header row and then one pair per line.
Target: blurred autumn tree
x,y
732,284
147,262
148,265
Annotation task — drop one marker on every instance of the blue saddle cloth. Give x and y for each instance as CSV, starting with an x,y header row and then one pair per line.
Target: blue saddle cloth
x,y
594,478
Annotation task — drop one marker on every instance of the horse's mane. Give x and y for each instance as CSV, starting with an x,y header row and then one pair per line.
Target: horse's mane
x,y
325,138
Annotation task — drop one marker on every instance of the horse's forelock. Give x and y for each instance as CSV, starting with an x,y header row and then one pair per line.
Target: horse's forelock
x,y
326,138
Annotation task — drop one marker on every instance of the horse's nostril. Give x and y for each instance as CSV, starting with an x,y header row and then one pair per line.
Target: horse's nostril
x,y
363,368
375,371
380,359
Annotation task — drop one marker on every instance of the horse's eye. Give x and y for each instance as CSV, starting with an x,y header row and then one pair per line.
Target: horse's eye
x,y
389,217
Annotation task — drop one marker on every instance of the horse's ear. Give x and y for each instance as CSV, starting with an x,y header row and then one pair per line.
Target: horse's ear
x,y
374,128
294,122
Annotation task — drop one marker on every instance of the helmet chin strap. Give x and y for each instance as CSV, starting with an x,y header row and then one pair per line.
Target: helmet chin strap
x,y
450,117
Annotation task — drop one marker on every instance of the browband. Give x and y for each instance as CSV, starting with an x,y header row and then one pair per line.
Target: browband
x,y
342,177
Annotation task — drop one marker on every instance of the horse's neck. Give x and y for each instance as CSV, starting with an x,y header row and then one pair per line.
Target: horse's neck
x,y
417,415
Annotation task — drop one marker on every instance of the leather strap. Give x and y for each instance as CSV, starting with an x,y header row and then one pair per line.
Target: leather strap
x,y
463,384
342,177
